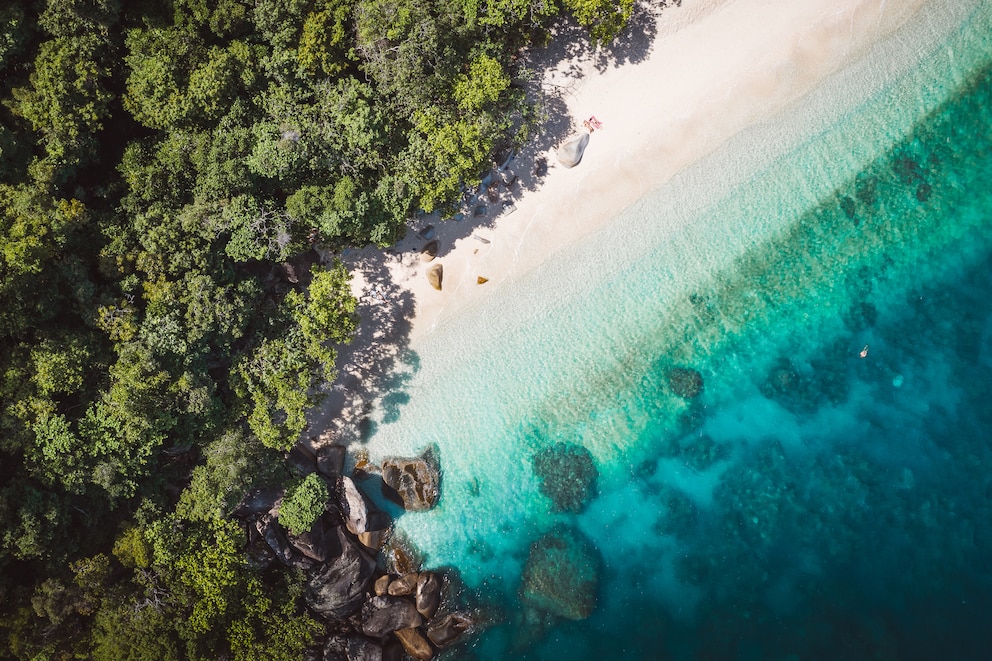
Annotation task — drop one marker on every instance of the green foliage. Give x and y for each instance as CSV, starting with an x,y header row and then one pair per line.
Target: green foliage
x,y
483,84
157,160
277,381
13,33
303,504
132,549
67,100
604,18
443,156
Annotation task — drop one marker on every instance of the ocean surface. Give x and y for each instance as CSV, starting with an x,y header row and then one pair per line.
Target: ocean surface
x,y
752,417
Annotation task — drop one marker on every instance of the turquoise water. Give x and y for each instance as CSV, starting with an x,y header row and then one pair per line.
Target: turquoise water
x,y
809,501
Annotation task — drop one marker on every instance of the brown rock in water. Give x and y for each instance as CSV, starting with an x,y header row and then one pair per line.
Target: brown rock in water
x,y
382,585
481,281
429,252
374,539
404,585
378,527
434,276
684,382
428,593
415,644
415,483
448,629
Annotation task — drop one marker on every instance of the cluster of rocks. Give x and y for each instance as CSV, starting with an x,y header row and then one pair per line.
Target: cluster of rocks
x,y
373,613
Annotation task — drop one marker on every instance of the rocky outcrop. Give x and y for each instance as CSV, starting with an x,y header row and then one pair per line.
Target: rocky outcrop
x,y
354,506
257,501
275,538
568,476
352,648
338,588
317,543
413,483
372,616
684,382
330,461
415,644
404,585
561,576
435,275
384,615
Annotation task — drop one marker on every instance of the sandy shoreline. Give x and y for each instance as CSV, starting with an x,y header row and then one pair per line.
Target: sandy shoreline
x,y
714,68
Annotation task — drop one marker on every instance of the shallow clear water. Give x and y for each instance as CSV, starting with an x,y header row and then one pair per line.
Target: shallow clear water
x,y
808,501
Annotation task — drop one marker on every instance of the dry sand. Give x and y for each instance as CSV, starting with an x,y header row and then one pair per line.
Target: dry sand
x,y
689,78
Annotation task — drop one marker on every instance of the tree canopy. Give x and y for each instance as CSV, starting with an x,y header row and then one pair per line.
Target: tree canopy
x,y
161,162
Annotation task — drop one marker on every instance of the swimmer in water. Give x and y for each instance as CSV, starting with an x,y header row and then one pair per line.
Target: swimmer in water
x,y
864,352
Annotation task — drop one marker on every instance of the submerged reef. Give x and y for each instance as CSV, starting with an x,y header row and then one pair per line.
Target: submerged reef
x,y
562,574
568,476
685,382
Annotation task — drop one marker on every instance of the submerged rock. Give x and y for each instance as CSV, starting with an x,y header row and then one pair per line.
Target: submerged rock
x,y
415,483
684,382
561,576
568,476
435,275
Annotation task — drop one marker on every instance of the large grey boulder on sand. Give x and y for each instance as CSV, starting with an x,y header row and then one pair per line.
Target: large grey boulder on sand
x,y
570,152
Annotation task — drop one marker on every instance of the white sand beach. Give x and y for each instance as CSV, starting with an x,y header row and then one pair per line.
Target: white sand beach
x,y
713,68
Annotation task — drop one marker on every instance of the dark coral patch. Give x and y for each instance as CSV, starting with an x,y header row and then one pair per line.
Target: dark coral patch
x,y
568,476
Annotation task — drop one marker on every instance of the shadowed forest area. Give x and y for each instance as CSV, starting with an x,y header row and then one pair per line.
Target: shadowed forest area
x,y
166,169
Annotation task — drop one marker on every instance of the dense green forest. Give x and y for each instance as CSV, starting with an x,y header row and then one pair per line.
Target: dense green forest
x,y
160,163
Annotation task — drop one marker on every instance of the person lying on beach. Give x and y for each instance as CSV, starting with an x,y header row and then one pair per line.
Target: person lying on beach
x,y
588,126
